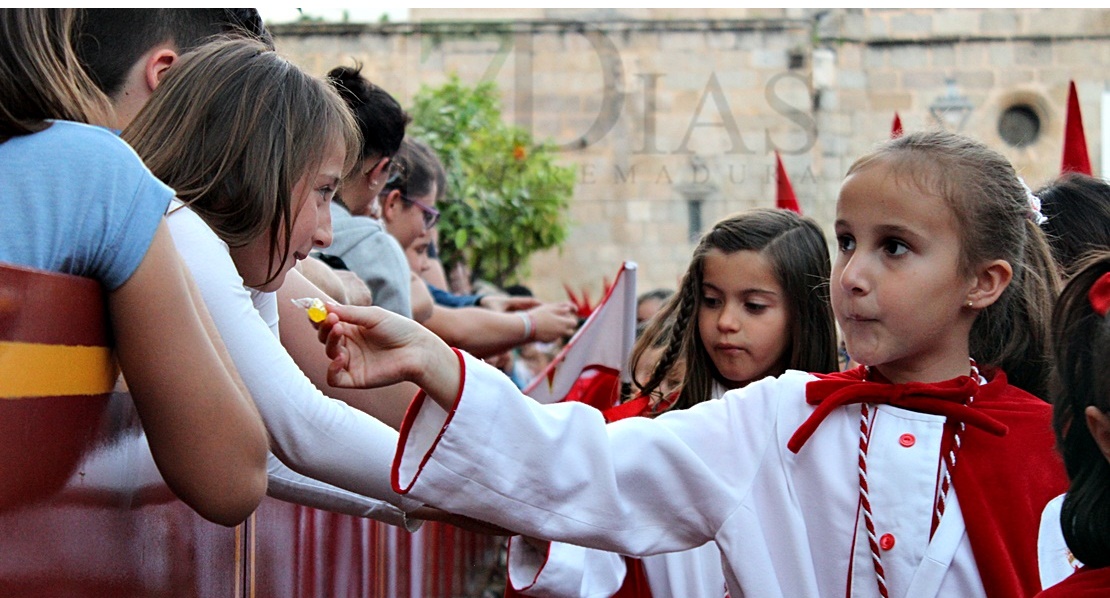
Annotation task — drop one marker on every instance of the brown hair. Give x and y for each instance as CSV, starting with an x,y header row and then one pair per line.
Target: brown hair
x,y
799,254
986,196
1082,379
40,76
420,167
653,333
233,128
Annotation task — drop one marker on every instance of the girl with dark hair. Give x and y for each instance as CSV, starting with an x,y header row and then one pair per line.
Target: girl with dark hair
x,y
754,302
758,264
1081,399
360,239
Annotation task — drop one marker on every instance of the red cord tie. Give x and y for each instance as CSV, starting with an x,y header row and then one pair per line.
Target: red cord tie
x,y
947,399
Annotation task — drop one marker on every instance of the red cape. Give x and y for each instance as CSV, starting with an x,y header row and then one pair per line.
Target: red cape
x,y
1004,482
1085,583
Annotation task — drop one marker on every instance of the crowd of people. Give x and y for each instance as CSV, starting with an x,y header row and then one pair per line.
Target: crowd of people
x,y
923,413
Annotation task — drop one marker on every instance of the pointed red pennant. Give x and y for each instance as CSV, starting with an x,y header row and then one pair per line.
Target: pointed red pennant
x,y
581,303
570,294
784,197
1075,142
585,308
896,127
588,368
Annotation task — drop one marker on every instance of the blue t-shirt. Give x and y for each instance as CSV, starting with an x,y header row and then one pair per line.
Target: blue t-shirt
x,y
76,199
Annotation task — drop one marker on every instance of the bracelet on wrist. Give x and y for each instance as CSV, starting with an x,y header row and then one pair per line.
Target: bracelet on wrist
x,y
529,325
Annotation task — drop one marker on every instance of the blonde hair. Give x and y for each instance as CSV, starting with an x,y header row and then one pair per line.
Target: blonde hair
x,y
992,206
40,76
233,128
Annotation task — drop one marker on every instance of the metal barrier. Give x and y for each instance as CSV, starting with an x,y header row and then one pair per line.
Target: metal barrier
x,y
84,512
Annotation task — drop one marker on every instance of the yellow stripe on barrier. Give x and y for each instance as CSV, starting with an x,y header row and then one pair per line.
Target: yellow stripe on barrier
x,y
38,370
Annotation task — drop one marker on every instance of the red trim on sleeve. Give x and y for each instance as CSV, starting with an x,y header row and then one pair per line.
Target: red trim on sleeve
x,y
512,592
406,426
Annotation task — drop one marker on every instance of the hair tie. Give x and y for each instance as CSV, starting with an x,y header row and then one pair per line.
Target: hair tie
x,y
1035,213
1100,295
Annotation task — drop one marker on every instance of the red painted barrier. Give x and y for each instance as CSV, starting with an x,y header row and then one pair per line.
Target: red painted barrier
x,y
84,512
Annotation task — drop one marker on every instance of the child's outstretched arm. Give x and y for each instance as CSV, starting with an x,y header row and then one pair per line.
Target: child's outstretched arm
x,y
204,430
555,472
371,347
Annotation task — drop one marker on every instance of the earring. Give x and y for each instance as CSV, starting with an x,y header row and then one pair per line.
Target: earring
x,y
970,304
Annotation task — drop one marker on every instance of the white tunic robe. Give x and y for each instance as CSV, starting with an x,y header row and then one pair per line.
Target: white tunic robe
x,y
567,570
787,525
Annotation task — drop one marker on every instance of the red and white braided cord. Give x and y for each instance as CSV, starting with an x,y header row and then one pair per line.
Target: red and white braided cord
x,y
865,499
948,465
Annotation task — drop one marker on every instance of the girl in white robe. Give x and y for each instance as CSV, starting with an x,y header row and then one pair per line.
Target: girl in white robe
x,y
749,277
846,484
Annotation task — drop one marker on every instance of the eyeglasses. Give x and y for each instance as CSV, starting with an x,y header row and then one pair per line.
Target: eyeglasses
x,y
393,171
430,214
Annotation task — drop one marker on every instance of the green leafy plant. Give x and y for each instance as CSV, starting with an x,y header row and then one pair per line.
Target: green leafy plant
x,y
507,198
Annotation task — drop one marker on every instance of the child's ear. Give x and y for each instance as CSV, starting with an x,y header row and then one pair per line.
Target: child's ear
x,y
157,62
1099,425
390,203
991,279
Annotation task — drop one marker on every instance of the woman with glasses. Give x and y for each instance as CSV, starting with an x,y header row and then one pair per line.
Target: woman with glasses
x,y
409,213
408,199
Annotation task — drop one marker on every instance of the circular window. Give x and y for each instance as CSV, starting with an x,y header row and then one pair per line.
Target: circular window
x,y
1019,125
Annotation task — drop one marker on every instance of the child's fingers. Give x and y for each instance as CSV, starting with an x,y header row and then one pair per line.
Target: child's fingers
x,y
339,373
367,317
333,343
338,376
324,328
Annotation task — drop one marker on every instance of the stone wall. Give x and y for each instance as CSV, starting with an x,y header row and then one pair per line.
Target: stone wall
x,y
672,117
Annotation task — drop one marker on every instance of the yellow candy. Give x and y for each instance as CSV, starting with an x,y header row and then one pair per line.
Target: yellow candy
x,y
316,311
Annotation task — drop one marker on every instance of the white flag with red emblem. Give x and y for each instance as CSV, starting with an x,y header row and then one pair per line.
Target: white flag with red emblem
x,y
592,365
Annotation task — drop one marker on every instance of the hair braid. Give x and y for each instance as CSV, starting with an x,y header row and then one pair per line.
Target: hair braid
x,y
682,306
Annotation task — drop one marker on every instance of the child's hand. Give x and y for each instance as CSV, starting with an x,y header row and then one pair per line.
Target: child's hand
x,y
554,321
371,347
367,348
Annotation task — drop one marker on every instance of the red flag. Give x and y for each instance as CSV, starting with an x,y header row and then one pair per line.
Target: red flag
x,y
1075,142
594,362
896,127
570,295
784,197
